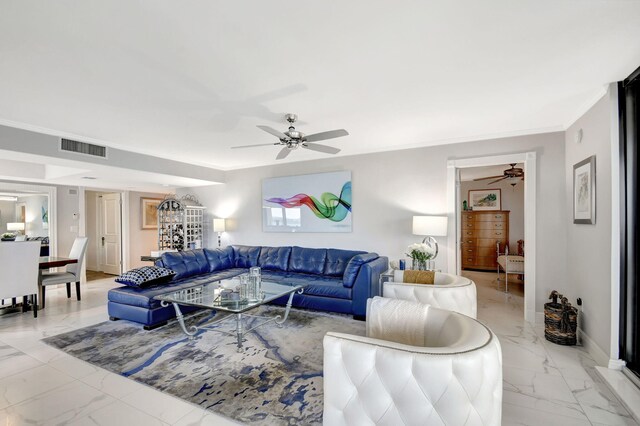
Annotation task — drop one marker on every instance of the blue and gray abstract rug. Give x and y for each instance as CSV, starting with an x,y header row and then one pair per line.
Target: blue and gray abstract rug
x,y
277,380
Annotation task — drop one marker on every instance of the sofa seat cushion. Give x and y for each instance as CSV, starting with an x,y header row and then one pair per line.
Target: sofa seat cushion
x,y
274,258
315,285
307,260
144,297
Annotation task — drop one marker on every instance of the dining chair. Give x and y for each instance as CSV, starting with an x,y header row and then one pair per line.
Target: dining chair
x,y
19,269
72,272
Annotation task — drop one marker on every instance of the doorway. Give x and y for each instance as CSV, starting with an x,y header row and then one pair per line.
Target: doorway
x,y
492,234
455,203
103,213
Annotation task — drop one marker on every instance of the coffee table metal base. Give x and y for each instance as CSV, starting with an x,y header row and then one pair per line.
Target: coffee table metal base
x,y
240,330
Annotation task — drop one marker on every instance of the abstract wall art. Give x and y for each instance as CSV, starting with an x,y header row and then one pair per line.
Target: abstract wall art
x,y
307,203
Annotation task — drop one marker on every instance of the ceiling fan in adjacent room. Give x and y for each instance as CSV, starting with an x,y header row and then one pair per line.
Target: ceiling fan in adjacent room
x,y
293,139
513,174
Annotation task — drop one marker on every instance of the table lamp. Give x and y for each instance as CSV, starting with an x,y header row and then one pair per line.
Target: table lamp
x,y
15,226
429,227
219,227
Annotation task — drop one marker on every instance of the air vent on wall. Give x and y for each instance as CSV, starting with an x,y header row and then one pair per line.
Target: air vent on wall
x,y
84,148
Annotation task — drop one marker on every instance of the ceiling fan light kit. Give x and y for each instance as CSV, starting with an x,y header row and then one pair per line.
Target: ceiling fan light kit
x,y
293,139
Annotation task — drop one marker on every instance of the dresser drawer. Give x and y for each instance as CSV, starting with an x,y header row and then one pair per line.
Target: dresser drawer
x,y
491,217
468,225
490,225
468,241
468,217
489,233
468,261
490,242
486,261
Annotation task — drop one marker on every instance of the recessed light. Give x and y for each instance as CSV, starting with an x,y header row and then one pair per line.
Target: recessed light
x,y
89,177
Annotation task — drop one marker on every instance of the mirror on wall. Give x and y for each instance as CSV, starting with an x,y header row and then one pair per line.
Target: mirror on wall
x,y
25,215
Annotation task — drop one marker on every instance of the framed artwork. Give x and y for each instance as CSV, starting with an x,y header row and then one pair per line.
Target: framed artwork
x,y
307,203
584,191
485,199
149,212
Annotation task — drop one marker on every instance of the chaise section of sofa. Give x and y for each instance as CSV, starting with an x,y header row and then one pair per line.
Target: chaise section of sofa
x,y
335,280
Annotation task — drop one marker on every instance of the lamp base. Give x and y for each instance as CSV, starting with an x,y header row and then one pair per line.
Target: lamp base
x,y
431,242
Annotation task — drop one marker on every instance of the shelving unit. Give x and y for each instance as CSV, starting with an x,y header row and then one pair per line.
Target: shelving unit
x,y
180,224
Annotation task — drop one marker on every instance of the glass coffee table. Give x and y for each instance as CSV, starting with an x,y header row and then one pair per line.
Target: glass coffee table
x,y
213,296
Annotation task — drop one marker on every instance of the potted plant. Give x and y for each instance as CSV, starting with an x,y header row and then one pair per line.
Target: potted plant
x,y
420,253
8,236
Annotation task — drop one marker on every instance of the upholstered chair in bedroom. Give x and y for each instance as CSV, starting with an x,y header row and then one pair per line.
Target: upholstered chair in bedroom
x,y
451,292
417,365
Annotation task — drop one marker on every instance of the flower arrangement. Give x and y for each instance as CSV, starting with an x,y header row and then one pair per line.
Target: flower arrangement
x,y
421,252
8,236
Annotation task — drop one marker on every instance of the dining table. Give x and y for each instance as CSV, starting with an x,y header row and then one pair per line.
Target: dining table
x,y
44,263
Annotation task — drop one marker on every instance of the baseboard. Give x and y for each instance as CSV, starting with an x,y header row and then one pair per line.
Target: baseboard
x,y
616,364
624,388
592,347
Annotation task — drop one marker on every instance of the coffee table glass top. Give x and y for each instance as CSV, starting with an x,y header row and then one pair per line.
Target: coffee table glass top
x,y
210,295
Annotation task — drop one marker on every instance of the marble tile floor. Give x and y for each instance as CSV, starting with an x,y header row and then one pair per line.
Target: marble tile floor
x,y
544,384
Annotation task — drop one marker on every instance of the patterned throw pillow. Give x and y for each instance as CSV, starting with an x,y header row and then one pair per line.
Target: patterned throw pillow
x,y
145,276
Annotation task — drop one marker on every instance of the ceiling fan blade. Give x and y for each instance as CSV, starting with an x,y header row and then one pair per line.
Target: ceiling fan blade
x,y
498,180
490,177
283,153
274,132
321,148
325,135
253,146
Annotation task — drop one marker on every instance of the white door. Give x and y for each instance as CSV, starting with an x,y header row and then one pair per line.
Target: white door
x,y
110,240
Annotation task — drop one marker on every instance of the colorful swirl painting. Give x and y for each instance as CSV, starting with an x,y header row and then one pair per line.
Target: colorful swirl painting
x,y
308,203
330,206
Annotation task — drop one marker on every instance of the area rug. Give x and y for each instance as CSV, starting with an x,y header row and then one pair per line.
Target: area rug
x,y
277,380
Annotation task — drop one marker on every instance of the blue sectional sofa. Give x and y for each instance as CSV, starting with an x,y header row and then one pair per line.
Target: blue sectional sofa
x,y
335,280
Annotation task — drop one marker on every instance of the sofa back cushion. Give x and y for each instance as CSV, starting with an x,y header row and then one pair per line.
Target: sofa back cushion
x,y
337,261
186,263
353,267
307,260
246,256
274,258
219,258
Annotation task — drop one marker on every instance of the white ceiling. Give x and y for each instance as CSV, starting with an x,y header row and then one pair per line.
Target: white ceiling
x,y
187,80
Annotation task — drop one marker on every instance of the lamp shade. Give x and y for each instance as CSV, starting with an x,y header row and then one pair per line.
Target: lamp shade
x,y
434,226
15,226
218,225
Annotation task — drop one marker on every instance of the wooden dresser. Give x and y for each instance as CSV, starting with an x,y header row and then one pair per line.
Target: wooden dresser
x,y
481,230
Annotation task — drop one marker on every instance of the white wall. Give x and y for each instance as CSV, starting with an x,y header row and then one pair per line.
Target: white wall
x,y
141,241
589,246
388,189
512,200
67,205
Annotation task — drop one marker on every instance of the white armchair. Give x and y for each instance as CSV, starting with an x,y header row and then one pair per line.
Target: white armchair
x,y
418,365
19,264
451,292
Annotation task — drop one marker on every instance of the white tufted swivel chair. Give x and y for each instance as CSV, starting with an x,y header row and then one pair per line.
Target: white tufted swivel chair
x,y
451,292
418,365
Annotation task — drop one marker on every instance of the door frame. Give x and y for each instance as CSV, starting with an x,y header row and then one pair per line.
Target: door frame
x,y
530,209
124,234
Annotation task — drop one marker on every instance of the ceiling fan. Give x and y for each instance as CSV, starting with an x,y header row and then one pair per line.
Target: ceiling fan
x,y
513,173
293,139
